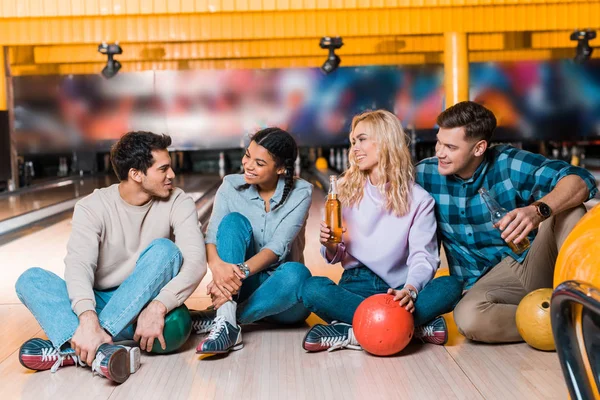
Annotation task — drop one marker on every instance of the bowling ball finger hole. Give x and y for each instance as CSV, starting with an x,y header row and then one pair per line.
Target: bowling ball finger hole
x,y
545,305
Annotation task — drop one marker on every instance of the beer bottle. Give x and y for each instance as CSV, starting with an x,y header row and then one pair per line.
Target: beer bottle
x,y
497,212
333,212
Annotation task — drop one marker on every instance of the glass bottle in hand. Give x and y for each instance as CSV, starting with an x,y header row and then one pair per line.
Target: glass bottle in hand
x,y
498,212
333,212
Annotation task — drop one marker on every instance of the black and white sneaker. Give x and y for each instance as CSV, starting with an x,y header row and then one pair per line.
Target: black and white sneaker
x,y
223,338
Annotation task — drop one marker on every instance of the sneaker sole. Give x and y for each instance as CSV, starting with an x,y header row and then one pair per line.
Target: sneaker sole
x,y
238,346
313,347
135,356
134,359
119,366
234,348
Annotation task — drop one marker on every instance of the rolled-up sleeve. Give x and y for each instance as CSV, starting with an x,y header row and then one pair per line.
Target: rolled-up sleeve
x,y
535,176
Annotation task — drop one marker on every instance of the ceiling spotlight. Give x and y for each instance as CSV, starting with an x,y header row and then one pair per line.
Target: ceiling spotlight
x,y
584,51
112,66
333,61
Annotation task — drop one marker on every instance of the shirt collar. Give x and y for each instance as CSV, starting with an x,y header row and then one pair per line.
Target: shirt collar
x,y
481,169
253,194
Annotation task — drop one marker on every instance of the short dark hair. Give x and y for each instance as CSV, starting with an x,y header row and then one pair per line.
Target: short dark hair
x,y
134,150
478,121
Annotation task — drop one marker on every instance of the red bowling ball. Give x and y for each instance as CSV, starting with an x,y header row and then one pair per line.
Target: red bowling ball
x,y
381,326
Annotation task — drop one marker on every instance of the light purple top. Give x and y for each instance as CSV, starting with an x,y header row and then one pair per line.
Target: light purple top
x,y
400,250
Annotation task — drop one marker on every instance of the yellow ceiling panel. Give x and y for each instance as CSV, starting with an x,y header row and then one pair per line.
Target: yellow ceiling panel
x,y
300,24
88,8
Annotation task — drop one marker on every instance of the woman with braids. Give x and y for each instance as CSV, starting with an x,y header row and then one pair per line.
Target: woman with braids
x,y
255,244
389,244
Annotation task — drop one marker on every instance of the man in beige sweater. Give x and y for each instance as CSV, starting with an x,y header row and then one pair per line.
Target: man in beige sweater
x,y
121,268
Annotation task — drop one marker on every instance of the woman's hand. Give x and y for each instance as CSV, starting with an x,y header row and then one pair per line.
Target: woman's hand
x,y
404,298
325,236
227,279
216,297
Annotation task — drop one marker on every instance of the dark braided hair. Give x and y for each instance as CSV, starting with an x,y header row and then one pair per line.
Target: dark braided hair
x,y
284,150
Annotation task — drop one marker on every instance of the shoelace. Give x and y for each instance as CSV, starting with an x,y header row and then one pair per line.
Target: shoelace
x,y
200,325
349,342
218,325
427,331
51,354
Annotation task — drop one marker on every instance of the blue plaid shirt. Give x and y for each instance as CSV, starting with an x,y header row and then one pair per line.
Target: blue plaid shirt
x,y
515,178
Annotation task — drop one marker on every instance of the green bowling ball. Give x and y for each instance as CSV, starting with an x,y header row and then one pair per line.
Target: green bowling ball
x,y
178,326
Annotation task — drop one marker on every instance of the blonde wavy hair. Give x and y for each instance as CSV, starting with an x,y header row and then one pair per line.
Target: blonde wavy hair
x,y
395,170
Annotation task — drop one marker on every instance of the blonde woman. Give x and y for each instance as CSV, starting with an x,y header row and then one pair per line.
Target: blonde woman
x,y
390,244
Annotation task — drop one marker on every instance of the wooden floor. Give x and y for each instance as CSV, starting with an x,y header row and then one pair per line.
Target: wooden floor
x,y
272,365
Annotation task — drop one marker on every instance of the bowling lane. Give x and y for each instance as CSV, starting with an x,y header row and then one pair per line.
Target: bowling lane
x,y
47,247
12,205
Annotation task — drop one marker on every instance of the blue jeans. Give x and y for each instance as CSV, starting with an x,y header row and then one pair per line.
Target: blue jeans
x,y
268,294
338,302
45,295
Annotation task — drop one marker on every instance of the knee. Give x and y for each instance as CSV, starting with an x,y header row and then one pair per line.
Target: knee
x,y
234,220
163,251
296,271
464,317
566,220
29,278
312,289
163,245
293,275
452,287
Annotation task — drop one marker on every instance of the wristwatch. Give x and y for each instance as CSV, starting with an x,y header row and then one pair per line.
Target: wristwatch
x,y
412,293
244,268
542,209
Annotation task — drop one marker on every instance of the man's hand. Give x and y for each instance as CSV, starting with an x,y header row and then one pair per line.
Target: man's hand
x,y
88,336
150,326
517,224
216,296
404,298
227,278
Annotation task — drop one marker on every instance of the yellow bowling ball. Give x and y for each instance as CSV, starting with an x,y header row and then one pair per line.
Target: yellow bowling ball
x,y
321,163
533,320
578,257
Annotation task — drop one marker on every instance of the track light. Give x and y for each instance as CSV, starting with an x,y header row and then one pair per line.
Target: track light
x,y
112,66
584,51
333,61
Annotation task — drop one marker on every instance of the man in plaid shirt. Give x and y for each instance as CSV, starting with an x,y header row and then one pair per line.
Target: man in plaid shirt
x,y
532,187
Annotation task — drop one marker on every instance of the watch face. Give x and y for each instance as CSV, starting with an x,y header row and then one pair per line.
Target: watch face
x,y
544,210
